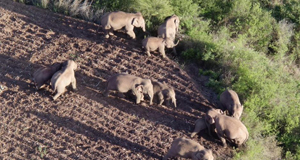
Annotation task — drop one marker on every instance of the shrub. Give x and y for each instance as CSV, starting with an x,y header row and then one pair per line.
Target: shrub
x,y
154,12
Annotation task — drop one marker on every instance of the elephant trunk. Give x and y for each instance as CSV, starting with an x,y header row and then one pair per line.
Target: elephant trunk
x,y
144,28
174,103
176,43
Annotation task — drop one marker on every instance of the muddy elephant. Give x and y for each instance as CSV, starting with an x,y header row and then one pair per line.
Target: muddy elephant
x,y
164,93
154,43
63,78
187,148
228,128
231,102
117,20
126,82
169,28
200,125
44,74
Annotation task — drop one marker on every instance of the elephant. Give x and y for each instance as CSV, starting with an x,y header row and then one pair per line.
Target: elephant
x,y
163,92
230,101
117,20
210,126
63,78
44,74
187,148
154,43
169,28
228,128
200,124
125,82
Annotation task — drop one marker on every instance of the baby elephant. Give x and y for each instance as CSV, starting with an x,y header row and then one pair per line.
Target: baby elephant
x,y
228,128
231,102
61,79
199,126
164,93
187,148
126,82
154,43
43,74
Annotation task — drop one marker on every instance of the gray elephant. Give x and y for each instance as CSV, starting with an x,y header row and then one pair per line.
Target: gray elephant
x,y
126,82
164,93
63,78
200,125
169,28
44,74
231,102
154,43
117,20
211,127
228,128
187,148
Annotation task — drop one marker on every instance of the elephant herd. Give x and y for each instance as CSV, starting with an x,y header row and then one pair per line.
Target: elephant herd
x,y
166,32
226,124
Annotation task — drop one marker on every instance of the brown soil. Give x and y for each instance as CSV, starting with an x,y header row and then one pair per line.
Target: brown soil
x,y
84,124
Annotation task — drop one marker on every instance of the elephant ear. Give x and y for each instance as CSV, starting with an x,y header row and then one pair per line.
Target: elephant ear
x,y
209,119
200,154
166,93
134,21
139,88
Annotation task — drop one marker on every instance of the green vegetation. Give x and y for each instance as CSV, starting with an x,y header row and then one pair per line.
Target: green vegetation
x,y
250,46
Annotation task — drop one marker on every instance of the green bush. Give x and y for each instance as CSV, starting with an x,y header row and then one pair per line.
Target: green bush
x,y
154,12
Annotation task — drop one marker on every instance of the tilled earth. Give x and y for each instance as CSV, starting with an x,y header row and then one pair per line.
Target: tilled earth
x,y
84,124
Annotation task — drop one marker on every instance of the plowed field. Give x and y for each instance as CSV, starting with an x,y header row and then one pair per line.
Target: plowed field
x,y
84,124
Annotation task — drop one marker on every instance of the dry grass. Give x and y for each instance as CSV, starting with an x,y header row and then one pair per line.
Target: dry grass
x,y
45,3
79,8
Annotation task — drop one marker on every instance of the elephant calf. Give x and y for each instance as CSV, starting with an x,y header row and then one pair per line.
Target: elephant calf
x,y
61,79
163,92
126,82
187,148
231,102
200,124
228,128
43,74
154,43
117,20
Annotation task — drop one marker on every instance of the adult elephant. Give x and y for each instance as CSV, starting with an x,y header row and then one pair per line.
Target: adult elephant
x,y
169,28
228,128
117,20
126,82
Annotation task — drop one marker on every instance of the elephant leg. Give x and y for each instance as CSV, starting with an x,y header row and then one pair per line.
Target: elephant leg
x,y
121,95
174,50
106,34
162,52
111,32
59,92
209,129
131,34
74,84
106,92
220,134
196,130
223,141
160,98
169,154
148,51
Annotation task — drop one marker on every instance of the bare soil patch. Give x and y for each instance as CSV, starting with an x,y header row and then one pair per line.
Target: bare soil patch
x,y
84,124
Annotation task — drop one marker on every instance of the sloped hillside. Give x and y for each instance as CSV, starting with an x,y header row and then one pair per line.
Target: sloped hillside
x,y
84,124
